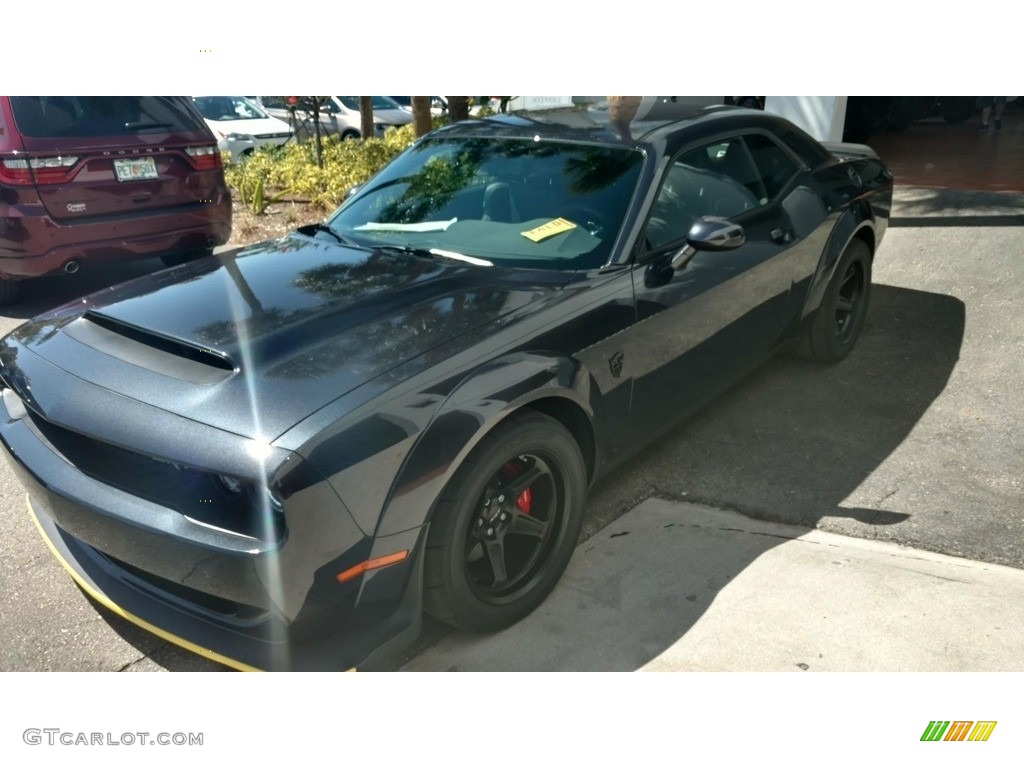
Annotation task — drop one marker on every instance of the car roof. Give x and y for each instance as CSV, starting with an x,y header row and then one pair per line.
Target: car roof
x,y
592,125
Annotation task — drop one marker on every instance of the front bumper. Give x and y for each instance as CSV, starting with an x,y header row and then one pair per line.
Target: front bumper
x,y
238,599
269,648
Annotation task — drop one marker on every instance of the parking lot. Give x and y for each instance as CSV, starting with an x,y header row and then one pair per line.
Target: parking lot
x,y
916,439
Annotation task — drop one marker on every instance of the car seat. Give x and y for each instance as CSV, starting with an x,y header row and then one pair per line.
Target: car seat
x,y
499,205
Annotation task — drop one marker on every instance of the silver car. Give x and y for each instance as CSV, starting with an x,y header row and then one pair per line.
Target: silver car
x,y
339,115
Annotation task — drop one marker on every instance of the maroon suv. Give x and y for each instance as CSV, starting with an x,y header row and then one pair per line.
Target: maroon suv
x,y
105,178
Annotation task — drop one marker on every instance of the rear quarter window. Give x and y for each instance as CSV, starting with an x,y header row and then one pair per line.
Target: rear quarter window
x,y
774,165
48,117
806,148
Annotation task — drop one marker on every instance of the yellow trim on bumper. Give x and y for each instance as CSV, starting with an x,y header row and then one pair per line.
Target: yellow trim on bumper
x,y
106,602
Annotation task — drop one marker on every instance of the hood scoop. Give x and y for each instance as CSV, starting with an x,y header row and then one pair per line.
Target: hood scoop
x,y
161,354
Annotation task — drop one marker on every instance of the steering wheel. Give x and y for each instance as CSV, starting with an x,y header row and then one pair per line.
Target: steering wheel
x,y
584,216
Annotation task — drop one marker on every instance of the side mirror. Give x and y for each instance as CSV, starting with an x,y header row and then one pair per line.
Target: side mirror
x,y
712,233
709,233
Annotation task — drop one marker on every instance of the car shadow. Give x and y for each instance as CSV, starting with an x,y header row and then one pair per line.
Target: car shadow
x,y
790,444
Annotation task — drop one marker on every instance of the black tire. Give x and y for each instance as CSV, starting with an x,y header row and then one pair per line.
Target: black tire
x,y
836,326
8,291
349,135
479,522
175,259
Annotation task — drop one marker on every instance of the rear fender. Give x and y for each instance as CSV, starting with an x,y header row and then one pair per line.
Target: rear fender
x,y
852,221
472,410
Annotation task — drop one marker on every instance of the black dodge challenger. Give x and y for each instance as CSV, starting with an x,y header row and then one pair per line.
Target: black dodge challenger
x,y
280,457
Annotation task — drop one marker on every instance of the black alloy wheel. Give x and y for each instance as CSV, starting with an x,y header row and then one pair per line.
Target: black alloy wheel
x,y
517,515
836,326
848,302
506,525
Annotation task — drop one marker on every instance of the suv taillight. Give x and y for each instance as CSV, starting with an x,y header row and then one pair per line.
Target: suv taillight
x,y
204,158
38,170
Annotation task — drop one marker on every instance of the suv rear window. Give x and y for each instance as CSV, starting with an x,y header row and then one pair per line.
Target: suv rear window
x,y
48,117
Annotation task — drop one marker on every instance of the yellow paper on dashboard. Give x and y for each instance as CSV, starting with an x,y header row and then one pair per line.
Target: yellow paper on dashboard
x,y
552,228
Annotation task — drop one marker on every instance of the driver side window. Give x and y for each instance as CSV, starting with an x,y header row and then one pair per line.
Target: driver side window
x,y
715,180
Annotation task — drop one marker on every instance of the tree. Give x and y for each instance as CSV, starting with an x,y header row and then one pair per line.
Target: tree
x,y
366,116
458,108
421,121
311,105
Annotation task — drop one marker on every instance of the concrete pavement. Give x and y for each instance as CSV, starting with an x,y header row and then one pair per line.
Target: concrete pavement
x,y
674,586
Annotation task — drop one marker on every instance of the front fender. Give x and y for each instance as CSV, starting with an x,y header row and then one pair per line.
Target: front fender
x,y
470,411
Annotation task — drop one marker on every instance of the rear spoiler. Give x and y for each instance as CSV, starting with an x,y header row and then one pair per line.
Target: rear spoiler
x,y
845,151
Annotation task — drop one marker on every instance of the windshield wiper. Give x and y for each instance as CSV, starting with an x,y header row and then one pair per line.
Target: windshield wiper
x,y
311,229
436,252
461,257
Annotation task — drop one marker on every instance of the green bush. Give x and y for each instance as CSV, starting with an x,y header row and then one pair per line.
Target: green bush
x,y
292,170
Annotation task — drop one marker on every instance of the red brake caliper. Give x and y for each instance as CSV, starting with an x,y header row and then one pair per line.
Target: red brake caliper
x,y
524,501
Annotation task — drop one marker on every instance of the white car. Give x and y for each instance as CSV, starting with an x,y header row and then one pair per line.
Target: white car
x,y
439,105
240,125
339,115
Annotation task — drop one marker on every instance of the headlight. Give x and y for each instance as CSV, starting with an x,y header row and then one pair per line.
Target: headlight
x,y
230,484
275,501
261,497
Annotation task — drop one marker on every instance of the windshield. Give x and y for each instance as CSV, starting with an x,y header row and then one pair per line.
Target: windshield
x,y
516,203
227,108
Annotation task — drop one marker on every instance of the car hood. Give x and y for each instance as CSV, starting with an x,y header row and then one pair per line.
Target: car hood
x,y
392,116
256,340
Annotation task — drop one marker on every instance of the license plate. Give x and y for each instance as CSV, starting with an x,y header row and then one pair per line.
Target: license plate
x,y
135,169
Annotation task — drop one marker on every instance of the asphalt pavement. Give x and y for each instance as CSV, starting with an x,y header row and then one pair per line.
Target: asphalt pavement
x,y
900,458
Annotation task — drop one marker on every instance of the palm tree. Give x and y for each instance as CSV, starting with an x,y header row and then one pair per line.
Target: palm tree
x,y
421,121
458,108
366,116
